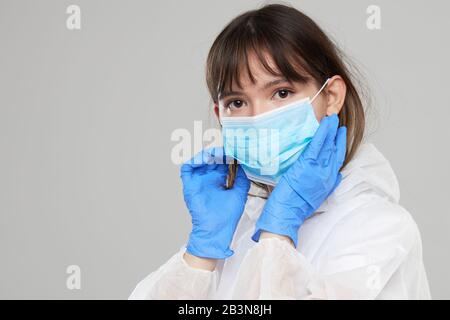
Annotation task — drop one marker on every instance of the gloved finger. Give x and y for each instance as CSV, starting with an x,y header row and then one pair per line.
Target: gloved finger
x,y
210,157
187,168
218,177
327,155
241,180
329,148
314,147
216,159
341,145
214,155
221,168
329,143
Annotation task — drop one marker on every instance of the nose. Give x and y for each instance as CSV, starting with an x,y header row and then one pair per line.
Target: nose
x,y
260,107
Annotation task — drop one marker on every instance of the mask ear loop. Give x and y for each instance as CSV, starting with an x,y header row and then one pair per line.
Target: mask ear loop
x,y
321,89
221,112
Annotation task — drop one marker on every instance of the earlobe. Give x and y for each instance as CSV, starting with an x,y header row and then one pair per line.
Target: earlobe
x,y
216,111
333,110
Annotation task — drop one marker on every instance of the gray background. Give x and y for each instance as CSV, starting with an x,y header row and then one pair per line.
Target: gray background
x,y
86,117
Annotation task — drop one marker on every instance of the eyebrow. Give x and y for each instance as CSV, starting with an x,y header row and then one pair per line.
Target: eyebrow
x,y
264,87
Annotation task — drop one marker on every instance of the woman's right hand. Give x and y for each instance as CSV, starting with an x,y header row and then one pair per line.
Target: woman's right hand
x,y
215,210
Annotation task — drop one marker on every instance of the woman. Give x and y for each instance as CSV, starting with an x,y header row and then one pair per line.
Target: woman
x,y
313,216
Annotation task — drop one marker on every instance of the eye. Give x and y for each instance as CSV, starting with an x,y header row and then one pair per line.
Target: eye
x,y
284,93
235,104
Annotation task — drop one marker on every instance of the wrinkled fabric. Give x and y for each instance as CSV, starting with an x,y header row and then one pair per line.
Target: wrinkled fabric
x,y
176,280
359,244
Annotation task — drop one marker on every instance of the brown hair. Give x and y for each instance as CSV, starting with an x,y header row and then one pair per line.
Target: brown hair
x,y
301,51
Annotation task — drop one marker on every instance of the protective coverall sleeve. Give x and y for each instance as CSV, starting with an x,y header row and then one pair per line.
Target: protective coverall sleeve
x,y
176,280
362,252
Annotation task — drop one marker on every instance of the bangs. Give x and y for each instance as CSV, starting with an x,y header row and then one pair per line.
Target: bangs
x,y
229,59
291,45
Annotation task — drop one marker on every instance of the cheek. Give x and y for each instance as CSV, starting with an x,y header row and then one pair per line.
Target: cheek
x,y
320,109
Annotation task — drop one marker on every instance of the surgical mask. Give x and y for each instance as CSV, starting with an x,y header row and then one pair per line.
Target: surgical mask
x,y
266,145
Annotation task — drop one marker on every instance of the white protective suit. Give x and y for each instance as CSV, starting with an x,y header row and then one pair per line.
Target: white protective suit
x,y
360,244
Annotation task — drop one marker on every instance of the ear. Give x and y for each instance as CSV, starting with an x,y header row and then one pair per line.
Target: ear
x,y
216,111
335,91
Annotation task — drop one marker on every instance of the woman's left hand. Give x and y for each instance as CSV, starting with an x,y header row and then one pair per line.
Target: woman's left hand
x,y
306,185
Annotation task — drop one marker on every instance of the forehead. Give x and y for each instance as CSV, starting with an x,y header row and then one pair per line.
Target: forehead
x,y
257,71
260,69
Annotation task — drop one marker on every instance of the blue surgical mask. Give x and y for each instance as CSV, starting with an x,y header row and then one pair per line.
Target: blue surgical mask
x,y
266,145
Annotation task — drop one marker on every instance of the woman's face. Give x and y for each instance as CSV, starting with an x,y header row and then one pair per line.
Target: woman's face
x,y
270,92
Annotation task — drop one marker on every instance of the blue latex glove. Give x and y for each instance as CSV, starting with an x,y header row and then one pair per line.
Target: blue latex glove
x,y
307,183
215,211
